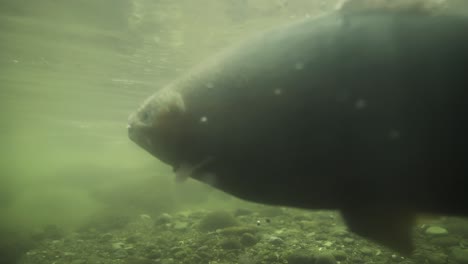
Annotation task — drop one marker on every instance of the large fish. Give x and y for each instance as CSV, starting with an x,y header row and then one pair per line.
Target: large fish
x,y
366,114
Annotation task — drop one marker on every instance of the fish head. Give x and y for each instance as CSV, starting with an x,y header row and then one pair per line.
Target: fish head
x,y
157,125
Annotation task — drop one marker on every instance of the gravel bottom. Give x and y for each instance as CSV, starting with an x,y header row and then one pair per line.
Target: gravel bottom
x,y
245,236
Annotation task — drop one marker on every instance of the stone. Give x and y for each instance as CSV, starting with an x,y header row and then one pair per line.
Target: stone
x,y
248,240
445,241
458,226
120,253
460,255
367,251
217,220
178,225
118,245
340,255
230,244
436,231
134,260
325,258
79,261
275,240
301,257
163,219
436,258
328,244
106,237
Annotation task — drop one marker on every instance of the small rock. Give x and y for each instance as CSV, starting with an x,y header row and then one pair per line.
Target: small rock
x,y
118,245
301,257
237,230
131,250
163,219
217,220
309,225
79,261
106,237
340,231
230,244
132,239
180,225
167,261
180,255
203,248
348,240
436,231
134,260
204,255
145,217
458,226
435,258
322,237
275,240
248,240
460,255
154,254
95,259
174,250
120,253
325,258
445,241
367,251
340,255
328,244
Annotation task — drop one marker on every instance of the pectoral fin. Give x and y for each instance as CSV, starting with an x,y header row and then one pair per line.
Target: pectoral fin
x,y
389,227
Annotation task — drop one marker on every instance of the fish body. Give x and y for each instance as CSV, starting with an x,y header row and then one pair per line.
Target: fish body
x,y
366,114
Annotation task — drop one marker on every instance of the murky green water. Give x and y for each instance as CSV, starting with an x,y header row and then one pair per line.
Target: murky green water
x,y
70,74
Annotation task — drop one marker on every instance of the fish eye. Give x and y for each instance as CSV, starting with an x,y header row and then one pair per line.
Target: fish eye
x,y
145,116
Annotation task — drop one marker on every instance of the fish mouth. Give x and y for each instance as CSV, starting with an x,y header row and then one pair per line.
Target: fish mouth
x,y
153,143
136,135
133,135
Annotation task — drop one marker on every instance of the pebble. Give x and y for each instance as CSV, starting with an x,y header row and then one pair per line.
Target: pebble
x,y
229,244
275,240
167,261
163,219
301,257
145,217
367,251
106,237
340,231
328,244
79,261
325,258
180,225
120,253
460,255
445,241
436,258
154,254
248,240
436,231
203,248
340,255
118,245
